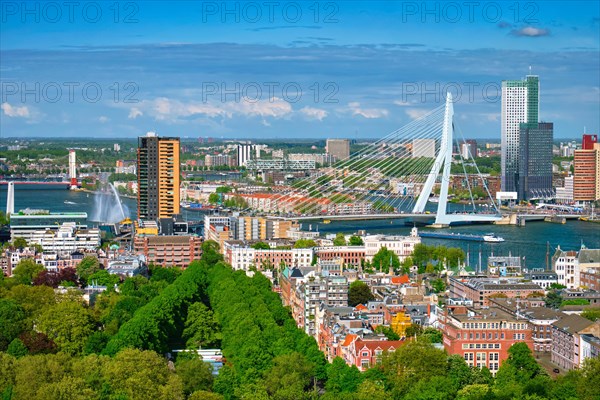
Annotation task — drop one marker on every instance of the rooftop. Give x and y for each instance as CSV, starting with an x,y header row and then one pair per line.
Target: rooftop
x,y
572,323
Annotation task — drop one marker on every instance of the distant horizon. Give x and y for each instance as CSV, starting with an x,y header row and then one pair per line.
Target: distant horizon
x,y
253,139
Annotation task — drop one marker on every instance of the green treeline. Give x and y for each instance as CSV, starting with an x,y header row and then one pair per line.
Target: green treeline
x,y
155,325
266,353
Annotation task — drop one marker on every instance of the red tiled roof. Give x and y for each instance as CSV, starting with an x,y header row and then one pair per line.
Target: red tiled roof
x,y
399,280
348,339
360,307
378,344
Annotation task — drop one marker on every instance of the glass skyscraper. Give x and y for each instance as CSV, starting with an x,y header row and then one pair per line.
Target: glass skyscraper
x,y
535,161
524,141
520,104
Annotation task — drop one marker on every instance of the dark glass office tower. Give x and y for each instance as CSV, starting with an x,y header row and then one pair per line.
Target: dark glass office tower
x,y
535,161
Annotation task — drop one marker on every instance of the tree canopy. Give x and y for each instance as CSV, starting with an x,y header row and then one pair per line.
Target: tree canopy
x,y
359,293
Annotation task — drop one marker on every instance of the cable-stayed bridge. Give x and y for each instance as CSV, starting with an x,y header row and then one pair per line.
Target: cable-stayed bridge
x,y
404,175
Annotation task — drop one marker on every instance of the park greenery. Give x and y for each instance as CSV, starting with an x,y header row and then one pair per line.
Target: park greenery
x,y
53,345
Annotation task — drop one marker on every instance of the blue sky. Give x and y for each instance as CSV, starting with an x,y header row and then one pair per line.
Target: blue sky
x,y
289,69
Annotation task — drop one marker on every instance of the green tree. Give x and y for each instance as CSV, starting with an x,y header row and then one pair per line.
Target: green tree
x,y
17,348
414,362
382,259
355,241
371,390
474,392
224,189
167,274
26,271
304,244
201,328
210,252
340,240
68,324
553,299
33,299
195,374
593,314
103,278
19,243
12,321
204,395
214,198
438,285
260,246
341,377
87,267
289,377
359,293
388,332
519,367
140,375
589,384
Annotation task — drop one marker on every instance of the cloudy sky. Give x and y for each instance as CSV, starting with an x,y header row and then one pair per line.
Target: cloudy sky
x,y
289,69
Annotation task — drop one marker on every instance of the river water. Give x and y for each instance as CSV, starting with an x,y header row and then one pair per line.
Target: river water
x,y
529,241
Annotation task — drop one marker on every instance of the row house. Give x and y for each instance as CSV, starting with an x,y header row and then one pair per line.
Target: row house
x,y
242,257
567,340
570,265
11,258
304,290
483,337
333,324
540,317
365,353
350,255
541,320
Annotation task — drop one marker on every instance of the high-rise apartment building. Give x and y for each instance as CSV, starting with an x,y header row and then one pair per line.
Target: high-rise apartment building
x,y
338,148
586,177
158,177
535,160
520,104
468,149
244,153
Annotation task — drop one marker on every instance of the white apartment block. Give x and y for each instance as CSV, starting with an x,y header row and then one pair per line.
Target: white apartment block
x,y
566,266
243,257
402,246
67,239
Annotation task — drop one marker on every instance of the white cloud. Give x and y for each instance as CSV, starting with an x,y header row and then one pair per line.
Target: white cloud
x,y
314,113
369,113
134,113
103,119
402,103
16,112
530,31
165,109
415,113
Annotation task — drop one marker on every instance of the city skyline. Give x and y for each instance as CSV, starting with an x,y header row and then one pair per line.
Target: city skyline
x,y
180,81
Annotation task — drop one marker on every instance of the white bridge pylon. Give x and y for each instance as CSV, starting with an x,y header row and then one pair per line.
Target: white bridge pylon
x,y
443,161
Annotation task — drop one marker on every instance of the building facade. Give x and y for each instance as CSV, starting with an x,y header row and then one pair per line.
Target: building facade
x,y
483,337
535,160
520,104
586,177
338,148
158,177
169,251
